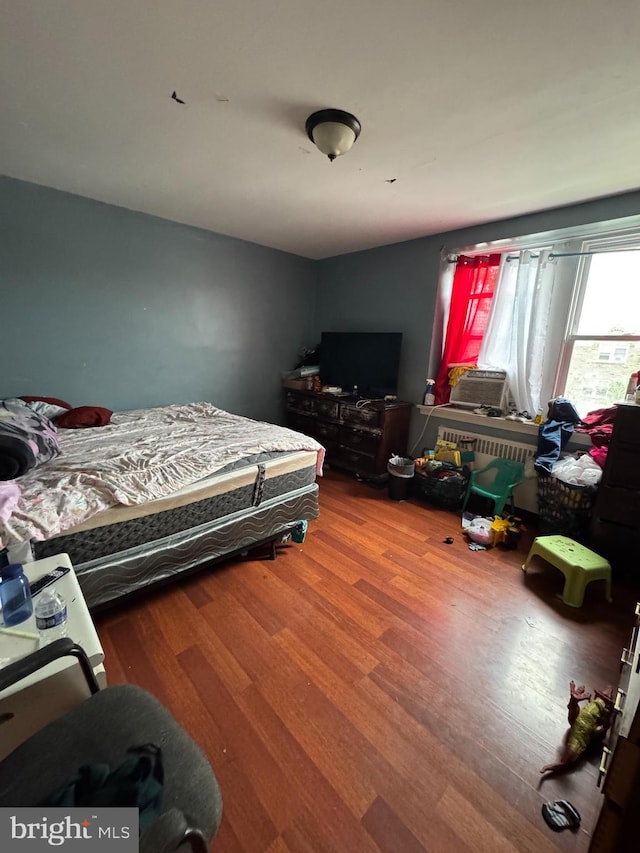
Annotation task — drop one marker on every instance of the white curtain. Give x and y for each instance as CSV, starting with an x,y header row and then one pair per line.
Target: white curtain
x,y
518,326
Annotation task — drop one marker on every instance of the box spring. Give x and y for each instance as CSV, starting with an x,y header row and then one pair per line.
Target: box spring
x,y
248,506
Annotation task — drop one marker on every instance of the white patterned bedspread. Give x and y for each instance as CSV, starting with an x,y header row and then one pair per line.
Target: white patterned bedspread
x,y
140,456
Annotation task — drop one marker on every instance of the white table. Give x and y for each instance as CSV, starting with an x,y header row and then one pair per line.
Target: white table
x,y
57,688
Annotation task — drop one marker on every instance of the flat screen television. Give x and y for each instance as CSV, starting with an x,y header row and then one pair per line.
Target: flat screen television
x,y
368,360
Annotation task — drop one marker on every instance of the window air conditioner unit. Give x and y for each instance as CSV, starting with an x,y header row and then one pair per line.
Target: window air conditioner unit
x,y
476,387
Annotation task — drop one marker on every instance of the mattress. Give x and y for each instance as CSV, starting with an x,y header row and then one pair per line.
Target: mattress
x,y
124,548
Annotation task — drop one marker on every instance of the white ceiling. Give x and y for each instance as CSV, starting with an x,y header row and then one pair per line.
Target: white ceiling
x,y
479,110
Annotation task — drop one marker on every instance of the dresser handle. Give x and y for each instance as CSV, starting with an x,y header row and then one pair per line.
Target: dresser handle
x,y
637,610
621,695
626,658
602,771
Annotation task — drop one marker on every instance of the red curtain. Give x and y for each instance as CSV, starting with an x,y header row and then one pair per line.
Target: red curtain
x,y
474,283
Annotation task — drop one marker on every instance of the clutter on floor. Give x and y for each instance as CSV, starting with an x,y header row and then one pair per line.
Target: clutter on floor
x,y
442,473
487,532
588,724
561,814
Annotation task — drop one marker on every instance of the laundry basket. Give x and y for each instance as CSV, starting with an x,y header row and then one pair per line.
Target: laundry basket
x,y
446,491
564,508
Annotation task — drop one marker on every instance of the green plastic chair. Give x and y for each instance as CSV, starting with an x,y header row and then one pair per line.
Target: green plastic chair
x,y
499,489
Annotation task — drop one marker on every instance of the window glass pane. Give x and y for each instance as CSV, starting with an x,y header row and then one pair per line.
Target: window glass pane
x,y
612,296
612,352
594,383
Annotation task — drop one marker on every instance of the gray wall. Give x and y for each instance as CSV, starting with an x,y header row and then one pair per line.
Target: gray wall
x,y
100,305
393,288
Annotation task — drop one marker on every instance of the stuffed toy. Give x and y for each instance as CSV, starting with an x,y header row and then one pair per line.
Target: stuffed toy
x,y
587,723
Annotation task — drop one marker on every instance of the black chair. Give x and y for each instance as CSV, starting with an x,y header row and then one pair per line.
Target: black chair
x,y
102,729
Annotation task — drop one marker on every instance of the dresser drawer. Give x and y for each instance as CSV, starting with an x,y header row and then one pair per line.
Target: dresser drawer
x,y
360,415
609,826
326,433
627,427
623,773
628,695
326,408
299,402
621,506
619,543
353,460
357,439
623,466
302,423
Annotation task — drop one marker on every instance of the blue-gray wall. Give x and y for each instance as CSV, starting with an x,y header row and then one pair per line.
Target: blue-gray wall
x,y
393,288
100,305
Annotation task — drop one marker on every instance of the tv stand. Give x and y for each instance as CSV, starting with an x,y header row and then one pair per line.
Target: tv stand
x,y
359,435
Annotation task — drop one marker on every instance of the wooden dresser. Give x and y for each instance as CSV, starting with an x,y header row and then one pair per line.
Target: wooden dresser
x,y
615,527
358,435
618,826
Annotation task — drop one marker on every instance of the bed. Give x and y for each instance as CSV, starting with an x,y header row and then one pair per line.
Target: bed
x,y
160,491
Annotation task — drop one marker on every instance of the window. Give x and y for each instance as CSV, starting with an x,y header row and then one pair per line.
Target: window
x,y
612,354
601,347
565,319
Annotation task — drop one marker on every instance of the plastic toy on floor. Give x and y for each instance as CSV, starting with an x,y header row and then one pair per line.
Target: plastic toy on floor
x,y
587,723
560,815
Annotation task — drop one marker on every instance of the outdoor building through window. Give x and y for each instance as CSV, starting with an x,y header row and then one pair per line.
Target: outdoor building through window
x,y
602,345
561,319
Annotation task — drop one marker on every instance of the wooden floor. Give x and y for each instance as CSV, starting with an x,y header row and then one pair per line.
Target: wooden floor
x,y
376,688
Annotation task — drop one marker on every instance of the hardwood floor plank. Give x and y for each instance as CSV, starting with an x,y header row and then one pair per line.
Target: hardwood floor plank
x,y
333,743
255,798
226,840
349,611
279,845
403,745
244,638
341,551
196,593
484,740
470,826
244,593
340,827
376,538
375,688
389,832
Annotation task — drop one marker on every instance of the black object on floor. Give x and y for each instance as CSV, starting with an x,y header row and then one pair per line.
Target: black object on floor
x,y
560,815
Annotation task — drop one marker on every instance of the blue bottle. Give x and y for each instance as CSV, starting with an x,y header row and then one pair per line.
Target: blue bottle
x,y
428,398
15,595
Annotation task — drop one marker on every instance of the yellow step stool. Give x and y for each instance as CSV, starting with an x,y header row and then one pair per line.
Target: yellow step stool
x,y
578,564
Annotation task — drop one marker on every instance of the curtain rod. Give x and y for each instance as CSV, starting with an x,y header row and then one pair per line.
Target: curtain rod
x,y
452,259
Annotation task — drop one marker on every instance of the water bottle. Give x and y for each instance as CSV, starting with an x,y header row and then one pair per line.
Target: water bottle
x,y
15,595
51,616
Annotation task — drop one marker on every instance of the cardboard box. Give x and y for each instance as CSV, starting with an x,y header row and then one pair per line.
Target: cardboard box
x,y
298,384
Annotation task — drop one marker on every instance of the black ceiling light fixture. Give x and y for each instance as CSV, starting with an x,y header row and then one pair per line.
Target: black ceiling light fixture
x,y
333,131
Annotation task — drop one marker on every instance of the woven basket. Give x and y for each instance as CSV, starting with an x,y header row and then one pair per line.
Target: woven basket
x,y
565,509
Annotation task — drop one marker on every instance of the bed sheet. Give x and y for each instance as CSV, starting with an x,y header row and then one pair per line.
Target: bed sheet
x,y
143,455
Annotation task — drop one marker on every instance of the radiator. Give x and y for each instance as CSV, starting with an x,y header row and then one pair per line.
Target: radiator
x,y
487,448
